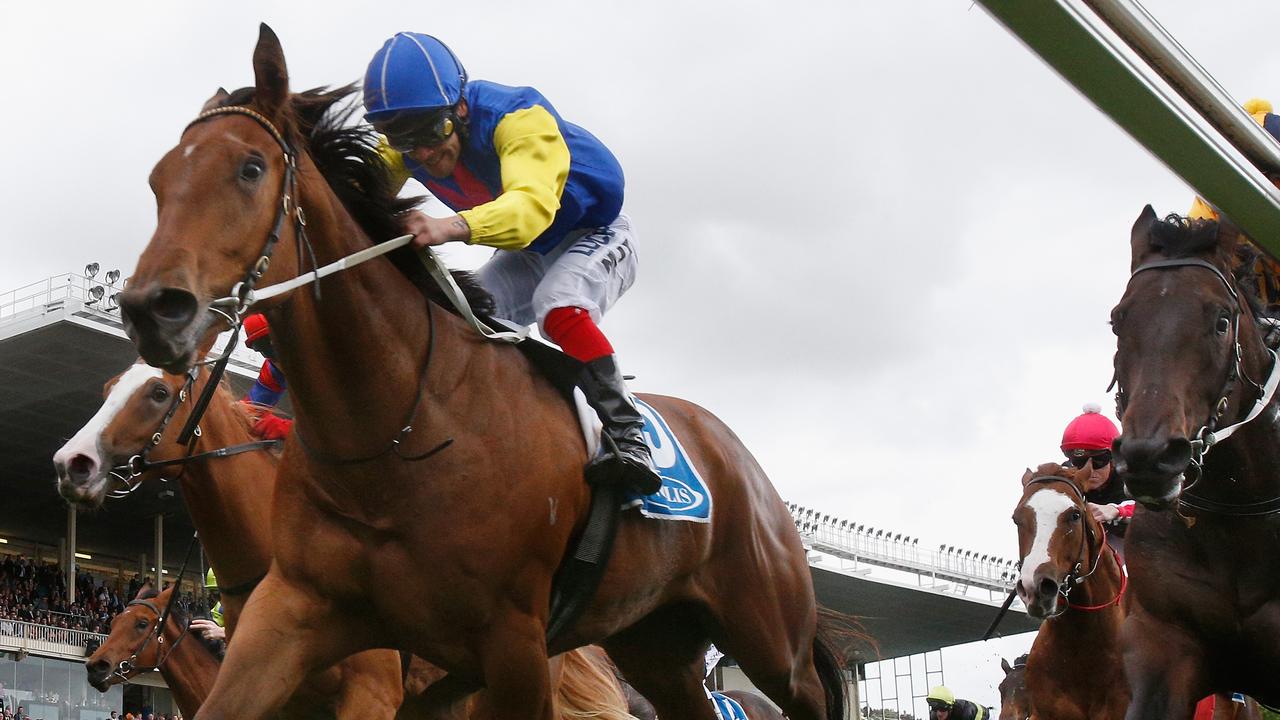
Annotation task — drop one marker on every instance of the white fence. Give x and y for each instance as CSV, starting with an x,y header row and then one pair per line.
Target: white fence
x,y
46,640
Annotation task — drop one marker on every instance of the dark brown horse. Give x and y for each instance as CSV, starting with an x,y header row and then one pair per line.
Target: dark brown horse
x,y
1204,555
182,658
229,496
229,499
1015,699
1072,579
451,556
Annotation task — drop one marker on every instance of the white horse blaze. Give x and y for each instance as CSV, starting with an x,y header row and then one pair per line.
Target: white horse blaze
x,y
1048,505
86,441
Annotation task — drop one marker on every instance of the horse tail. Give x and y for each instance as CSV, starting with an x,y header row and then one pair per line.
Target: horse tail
x,y
588,688
837,636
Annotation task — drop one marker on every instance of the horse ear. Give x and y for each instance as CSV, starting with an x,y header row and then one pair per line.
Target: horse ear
x,y
1140,235
269,72
219,96
1004,664
1026,477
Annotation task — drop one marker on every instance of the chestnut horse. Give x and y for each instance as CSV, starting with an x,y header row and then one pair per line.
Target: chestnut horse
x,y
1073,580
226,496
187,664
1015,699
1203,554
433,483
229,500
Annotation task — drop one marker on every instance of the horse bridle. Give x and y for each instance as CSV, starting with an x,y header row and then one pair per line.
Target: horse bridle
x,y
126,668
1076,575
234,306
1208,435
140,462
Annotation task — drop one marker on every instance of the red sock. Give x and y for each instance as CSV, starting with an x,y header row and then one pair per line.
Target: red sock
x,y
576,333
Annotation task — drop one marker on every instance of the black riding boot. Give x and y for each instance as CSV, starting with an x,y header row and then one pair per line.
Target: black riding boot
x,y
631,467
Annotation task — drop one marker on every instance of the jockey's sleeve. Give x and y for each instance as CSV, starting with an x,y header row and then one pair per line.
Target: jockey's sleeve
x,y
270,385
395,163
534,158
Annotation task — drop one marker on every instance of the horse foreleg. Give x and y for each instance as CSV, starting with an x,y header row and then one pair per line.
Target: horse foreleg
x,y
516,674
284,634
1165,668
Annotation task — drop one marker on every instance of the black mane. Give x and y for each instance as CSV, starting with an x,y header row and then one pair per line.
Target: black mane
x,y
348,158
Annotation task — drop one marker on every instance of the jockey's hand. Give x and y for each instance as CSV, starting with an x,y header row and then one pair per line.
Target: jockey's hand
x,y
428,230
208,629
272,427
1104,513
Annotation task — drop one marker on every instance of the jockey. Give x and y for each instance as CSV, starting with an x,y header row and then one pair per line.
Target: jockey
x,y
943,705
211,629
545,193
270,385
1087,440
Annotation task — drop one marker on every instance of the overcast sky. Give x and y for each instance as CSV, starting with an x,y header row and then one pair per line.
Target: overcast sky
x,y
879,239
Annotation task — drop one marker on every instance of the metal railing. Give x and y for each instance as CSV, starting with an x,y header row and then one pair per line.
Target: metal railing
x,y
46,639
40,295
860,543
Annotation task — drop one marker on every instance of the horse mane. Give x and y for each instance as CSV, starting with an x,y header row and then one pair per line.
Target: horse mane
x,y
590,689
348,158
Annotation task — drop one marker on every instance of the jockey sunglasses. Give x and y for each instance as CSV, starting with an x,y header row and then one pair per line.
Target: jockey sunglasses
x,y
1099,459
938,705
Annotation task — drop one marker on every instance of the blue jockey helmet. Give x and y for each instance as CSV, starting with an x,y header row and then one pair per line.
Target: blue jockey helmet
x,y
413,72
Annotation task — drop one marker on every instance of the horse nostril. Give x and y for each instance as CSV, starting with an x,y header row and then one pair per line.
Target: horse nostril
x,y
97,667
81,468
174,306
1048,587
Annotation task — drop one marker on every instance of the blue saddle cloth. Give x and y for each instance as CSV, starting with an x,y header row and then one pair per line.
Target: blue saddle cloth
x,y
684,495
727,708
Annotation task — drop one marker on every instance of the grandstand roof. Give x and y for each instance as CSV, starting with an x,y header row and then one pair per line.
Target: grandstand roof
x,y
56,354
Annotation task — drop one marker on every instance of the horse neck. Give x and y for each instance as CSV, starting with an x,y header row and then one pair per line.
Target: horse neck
x,y
355,357
229,498
189,669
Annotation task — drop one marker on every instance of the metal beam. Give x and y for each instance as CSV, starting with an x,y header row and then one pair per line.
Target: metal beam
x,y
1089,54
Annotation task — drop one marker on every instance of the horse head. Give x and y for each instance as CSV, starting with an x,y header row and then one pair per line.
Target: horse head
x,y
1187,352
1058,540
1015,701
228,217
140,415
130,648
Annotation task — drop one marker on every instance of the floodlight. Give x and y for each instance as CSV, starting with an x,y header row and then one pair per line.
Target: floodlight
x,y
90,270
95,294
112,276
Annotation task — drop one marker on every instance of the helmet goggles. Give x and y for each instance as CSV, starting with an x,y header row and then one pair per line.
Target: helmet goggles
x,y
407,131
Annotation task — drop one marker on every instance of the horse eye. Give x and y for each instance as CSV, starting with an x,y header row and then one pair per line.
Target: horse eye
x,y
159,393
1223,325
252,169
1074,516
143,624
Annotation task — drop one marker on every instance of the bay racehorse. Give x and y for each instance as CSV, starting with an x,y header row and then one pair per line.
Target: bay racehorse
x,y
434,479
229,499
1072,579
186,662
1203,553
1015,699
227,494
